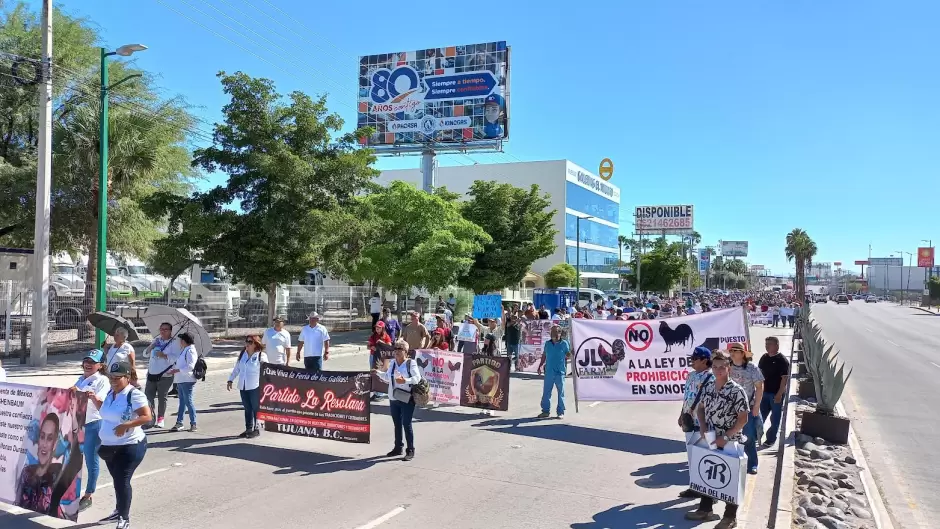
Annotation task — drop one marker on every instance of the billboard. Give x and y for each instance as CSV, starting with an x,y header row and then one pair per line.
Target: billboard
x,y
734,248
925,257
885,261
703,259
664,220
757,268
861,262
455,94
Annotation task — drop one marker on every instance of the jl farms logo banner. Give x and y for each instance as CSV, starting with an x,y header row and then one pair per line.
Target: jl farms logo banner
x,y
646,359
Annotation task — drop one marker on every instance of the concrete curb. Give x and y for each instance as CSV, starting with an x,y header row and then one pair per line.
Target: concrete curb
x,y
783,518
928,311
875,501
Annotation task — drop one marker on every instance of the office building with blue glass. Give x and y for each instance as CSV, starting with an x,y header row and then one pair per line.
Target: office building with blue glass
x,y
575,192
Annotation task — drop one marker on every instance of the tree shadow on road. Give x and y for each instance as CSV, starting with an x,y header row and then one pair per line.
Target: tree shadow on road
x,y
662,476
284,460
632,516
644,445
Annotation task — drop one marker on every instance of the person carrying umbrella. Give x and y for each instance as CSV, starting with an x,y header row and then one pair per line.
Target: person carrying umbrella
x,y
122,351
163,353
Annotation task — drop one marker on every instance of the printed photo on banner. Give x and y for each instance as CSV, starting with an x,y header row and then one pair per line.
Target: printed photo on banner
x,y
646,359
444,372
487,306
330,405
485,382
534,335
41,433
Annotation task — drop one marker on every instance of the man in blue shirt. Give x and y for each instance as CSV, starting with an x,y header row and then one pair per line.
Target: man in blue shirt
x,y
555,364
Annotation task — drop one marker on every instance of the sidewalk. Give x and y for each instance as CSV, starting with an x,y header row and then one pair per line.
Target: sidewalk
x,y
760,488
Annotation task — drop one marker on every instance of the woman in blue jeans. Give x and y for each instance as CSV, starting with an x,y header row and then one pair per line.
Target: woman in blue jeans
x,y
185,381
749,376
248,372
402,373
94,383
124,411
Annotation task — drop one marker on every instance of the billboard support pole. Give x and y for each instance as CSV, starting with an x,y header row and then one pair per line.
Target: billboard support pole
x,y
428,168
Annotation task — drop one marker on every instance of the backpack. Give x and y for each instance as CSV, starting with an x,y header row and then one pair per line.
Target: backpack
x,y
200,370
421,391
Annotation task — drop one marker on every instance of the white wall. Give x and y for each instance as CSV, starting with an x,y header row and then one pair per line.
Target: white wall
x,y
896,276
549,175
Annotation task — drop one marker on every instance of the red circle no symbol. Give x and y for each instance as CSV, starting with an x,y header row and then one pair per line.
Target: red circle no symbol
x,y
639,332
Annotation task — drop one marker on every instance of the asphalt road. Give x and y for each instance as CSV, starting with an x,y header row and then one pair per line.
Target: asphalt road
x,y
609,466
893,399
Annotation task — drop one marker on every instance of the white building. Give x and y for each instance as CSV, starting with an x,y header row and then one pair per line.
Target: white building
x,y
575,192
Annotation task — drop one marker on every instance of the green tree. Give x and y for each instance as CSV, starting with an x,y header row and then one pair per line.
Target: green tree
x,y
661,267
801,249
147,144
560,275
622,240
419,240
294,179
519,222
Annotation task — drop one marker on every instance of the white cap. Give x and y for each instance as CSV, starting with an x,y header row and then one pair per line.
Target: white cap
x,y
313,315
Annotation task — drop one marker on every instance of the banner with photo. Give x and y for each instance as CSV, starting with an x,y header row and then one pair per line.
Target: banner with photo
x,y
759,318
646,359
534,334
444,372
485,382
326,404
41,433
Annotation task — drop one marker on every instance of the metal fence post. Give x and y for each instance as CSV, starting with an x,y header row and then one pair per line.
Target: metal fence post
x,y
8,324
349,314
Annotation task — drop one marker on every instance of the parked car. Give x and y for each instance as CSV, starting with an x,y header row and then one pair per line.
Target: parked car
x,y
842,298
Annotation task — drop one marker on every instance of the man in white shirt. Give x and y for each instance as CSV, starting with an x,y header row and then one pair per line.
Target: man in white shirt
x,y
276,341
317,341
375,308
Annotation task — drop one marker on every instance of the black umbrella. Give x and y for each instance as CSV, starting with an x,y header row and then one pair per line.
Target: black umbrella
x,y
109,322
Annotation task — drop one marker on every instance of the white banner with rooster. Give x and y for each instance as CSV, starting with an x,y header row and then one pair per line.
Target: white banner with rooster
x,y
646,359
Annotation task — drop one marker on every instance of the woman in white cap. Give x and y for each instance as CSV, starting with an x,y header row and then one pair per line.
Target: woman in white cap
x,y
95,384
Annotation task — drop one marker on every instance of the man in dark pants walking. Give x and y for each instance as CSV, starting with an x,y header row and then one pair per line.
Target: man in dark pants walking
x,y
776,370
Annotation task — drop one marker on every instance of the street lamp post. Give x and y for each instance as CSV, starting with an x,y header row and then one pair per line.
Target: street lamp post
x,y
101,277
910,262
928,272
577,259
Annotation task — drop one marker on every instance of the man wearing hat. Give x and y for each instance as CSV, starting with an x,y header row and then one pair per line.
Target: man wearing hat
x,y
701,373
276,342
317,341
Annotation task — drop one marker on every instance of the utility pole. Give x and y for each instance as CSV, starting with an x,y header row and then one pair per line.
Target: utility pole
x,y
40,272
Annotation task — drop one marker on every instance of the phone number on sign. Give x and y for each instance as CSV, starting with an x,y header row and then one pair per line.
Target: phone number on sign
x,y
665,223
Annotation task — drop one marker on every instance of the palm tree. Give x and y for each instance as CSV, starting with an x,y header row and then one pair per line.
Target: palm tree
x,y
801,249
622,240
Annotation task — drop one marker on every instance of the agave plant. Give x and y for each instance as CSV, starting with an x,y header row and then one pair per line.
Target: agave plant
x,y
828,373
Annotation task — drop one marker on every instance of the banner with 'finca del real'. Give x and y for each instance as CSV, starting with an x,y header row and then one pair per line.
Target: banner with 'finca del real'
x,y
325,404
646,359
41,433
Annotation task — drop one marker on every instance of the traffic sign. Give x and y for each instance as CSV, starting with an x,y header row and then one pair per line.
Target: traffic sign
x,y
606,169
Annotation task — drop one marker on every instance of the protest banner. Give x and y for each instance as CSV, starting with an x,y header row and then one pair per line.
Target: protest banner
x,y
41,431
534,334
717,473
467,332
759,318
485,382
383,354
444,372
487,306
326,404
646,359
430,322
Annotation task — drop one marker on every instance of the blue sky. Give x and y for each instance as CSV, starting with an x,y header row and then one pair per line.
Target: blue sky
x,y
765,115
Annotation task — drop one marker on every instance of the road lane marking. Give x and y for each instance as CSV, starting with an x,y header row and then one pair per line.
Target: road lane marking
x,y
894,344
143,475
869,330
384,518
935,364
593,404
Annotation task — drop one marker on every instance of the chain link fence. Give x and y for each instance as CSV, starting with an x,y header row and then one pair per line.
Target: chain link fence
x,y
224,310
